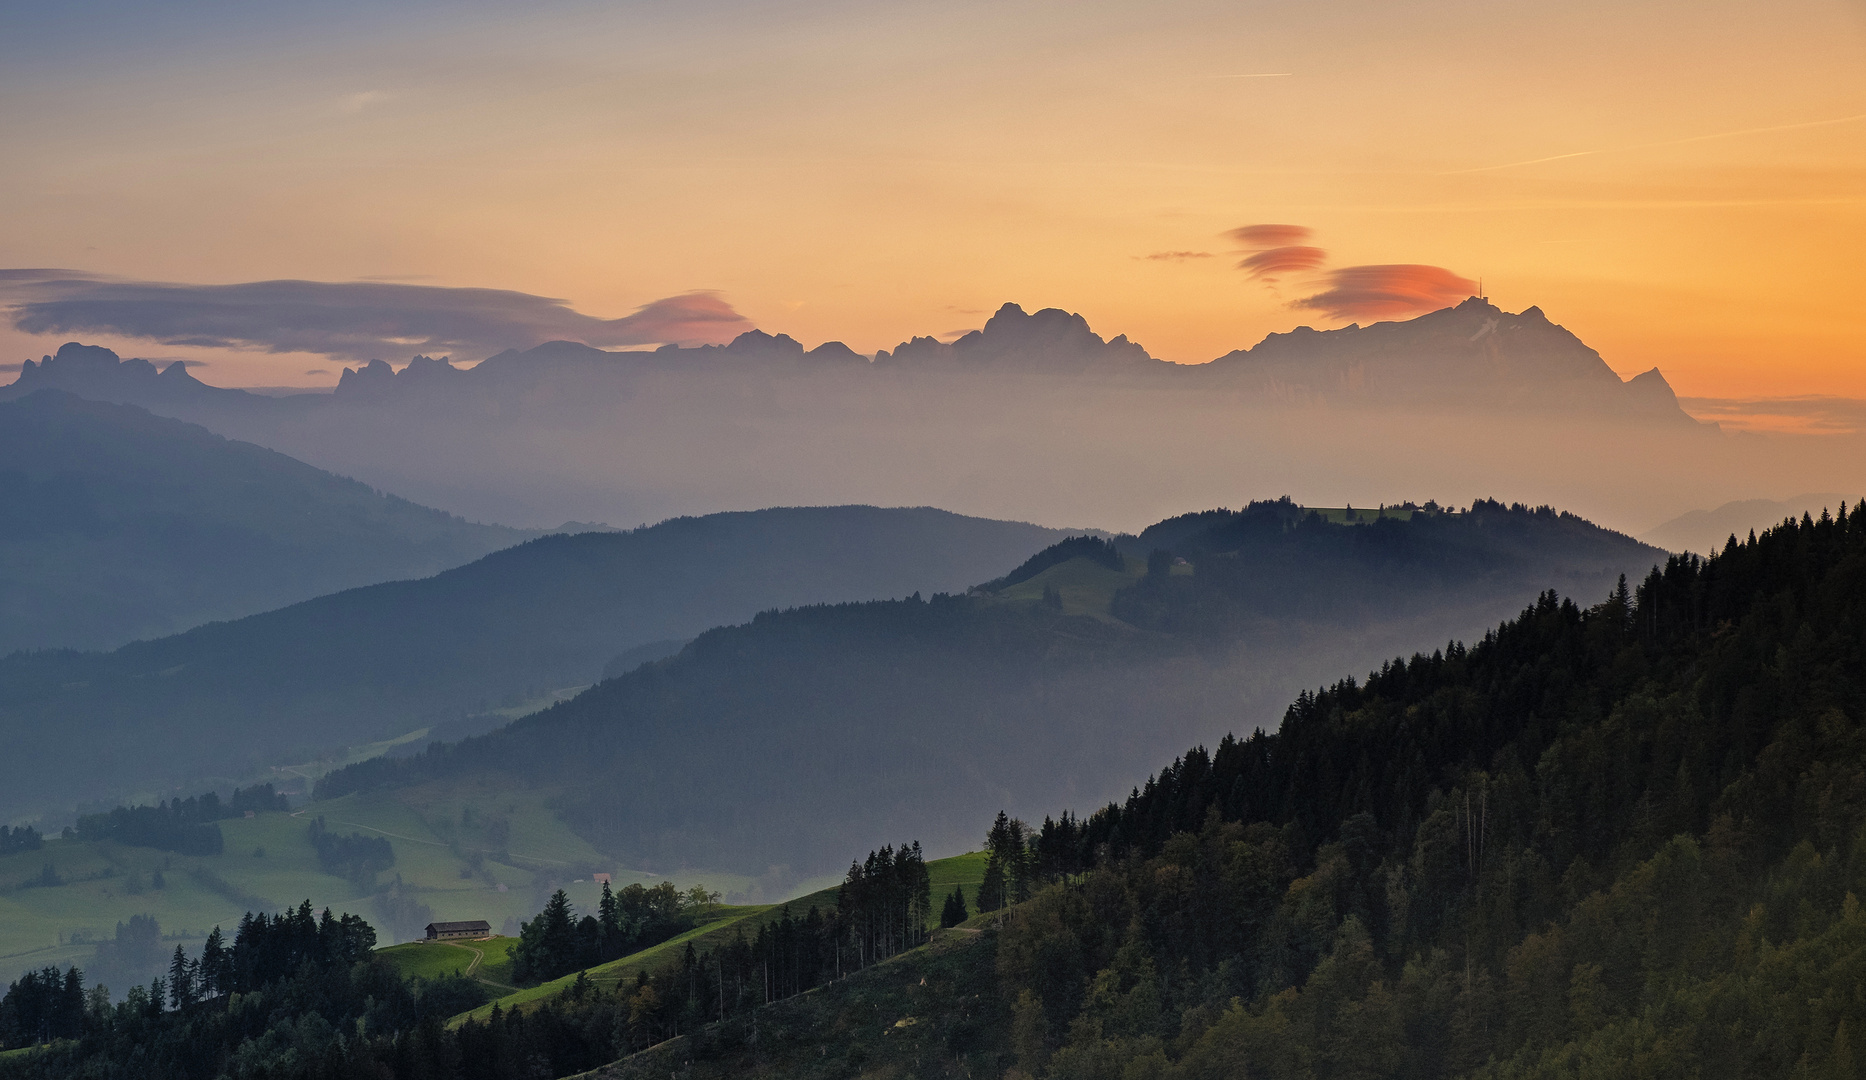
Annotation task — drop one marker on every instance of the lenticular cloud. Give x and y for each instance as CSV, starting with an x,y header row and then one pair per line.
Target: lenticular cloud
x,y
1270,236
356,320
1390,291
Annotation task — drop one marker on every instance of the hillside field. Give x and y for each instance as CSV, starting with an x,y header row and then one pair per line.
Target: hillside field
x,y
474,851
965,871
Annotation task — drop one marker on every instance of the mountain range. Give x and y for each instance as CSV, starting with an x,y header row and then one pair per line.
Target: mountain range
x,y
1032,416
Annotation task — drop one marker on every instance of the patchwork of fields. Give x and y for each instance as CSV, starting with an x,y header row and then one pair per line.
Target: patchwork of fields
x,y
471,852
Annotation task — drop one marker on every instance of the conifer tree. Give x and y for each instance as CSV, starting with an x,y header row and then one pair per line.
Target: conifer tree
x,y
953,913
180,980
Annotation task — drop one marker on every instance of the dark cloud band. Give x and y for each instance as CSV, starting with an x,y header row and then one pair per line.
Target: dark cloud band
x,y
360,320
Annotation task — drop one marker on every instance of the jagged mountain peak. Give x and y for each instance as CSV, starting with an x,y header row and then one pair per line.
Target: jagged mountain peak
x,y
96,372
1470,353
1049,339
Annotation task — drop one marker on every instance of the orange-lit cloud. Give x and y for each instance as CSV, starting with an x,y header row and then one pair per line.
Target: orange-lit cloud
x,y
1176,256
1272,264
348,320
1390,291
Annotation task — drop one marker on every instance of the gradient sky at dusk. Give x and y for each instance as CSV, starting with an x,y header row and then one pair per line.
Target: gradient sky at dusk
x,y
1682,184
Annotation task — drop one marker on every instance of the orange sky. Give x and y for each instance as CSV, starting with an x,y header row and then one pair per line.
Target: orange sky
x,y
1680,184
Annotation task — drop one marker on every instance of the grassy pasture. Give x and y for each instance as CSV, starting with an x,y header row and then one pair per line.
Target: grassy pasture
x,y
1339,515
966,871
489,961
445,859
1087,588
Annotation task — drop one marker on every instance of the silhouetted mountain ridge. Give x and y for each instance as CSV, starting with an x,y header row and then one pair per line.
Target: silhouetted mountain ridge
x,y
802,734
1471,354
229,698
116,524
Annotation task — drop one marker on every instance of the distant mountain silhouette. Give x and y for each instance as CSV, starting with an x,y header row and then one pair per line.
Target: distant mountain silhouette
x,y
1474,354
229,698
116,524
1706,531
1033,415
1471,354
1049,341
95,372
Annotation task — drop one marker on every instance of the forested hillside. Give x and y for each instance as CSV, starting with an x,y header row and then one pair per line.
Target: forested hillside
x,y
1626,839
117,525
1620,839
227,699
802,734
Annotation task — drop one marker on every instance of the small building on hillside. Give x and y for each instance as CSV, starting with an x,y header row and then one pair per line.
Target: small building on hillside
x,y
446,931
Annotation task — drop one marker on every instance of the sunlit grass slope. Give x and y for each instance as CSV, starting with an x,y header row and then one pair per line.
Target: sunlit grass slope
x,y
965,871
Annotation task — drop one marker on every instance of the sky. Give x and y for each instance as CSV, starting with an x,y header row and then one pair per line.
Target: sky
x,y
1681,184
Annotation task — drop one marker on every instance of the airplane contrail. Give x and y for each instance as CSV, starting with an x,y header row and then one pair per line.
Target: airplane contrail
x,y
1663,142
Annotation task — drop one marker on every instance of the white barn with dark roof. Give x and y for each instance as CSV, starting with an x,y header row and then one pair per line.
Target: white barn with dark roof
x,y
443,931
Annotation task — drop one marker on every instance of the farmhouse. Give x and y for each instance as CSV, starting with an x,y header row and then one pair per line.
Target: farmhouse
x,y
443,931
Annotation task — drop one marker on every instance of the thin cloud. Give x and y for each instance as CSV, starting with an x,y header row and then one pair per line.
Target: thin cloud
x,y
1810,414
1175,256
1272,264
1391,291
355,103
1664,142
347,321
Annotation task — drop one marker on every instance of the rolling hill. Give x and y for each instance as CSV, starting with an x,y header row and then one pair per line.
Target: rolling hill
x,y
117,525
1706,531
231,699
804,734
1615,839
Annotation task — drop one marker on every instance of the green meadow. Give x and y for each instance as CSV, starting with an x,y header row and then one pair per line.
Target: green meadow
x,y
477,850
488,961
964,871
1357,515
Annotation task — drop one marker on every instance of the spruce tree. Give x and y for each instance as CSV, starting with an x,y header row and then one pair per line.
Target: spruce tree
x,y
991,891
180,980
954,912
211,977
